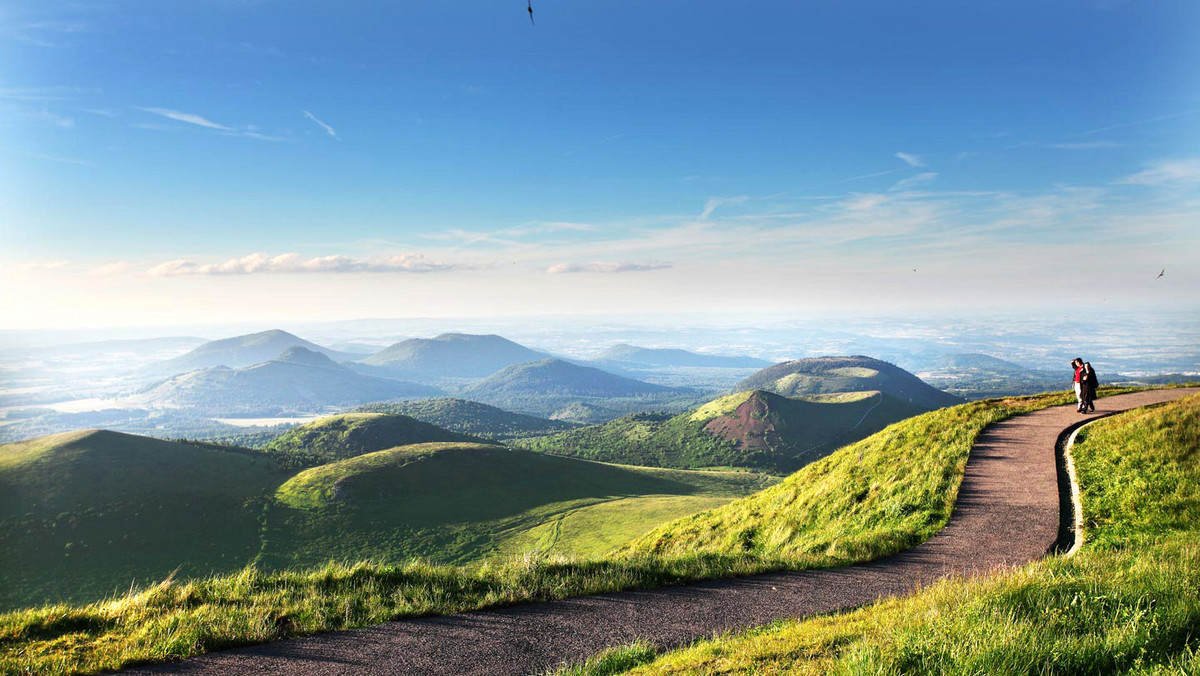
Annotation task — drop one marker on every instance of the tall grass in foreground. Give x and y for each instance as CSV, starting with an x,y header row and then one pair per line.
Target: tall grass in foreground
x,y
867,500
1127,603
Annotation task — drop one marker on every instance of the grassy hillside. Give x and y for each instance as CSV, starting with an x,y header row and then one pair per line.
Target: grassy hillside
x,y
1127,603
750,429
822,375
338,437
185,618
887,492
85,514
459,502
555,388
89,513
472,417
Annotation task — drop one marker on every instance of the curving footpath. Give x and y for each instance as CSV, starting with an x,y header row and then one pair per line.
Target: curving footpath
x,y
1007,514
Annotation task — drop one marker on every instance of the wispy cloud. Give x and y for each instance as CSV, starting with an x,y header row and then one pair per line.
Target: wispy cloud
x,y
44,265
913,181
55,119
1085,145
40,94
862,202
714,202
509,236
328,129
1166,172
35,33
830,184
554,226
57,26
607,267
294,263
189,118
911,159
250,133
246,131
111,269
60,160
1138,123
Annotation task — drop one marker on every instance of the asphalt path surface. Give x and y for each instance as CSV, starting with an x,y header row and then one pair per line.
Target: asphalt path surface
x,y
1007,514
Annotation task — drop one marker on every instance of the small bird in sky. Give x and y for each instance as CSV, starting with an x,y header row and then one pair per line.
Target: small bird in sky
x,y
1161,273
529,6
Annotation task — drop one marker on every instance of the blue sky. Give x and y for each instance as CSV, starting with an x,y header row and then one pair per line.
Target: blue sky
x,y
226,159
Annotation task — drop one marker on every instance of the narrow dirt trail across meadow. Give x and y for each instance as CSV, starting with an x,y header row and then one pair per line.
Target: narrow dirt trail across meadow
x,y
1007,514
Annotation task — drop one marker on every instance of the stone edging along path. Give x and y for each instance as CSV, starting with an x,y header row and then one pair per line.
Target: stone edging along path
x,y
1007,514
1071,516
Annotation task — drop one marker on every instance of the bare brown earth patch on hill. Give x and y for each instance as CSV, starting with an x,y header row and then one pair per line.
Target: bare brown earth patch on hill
x,y
749,426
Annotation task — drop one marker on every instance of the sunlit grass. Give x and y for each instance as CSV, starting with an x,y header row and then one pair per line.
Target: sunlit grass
x,y
1127,603
898,509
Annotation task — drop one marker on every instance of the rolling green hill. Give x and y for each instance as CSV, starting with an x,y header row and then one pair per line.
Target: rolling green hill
x,y
458,502
451,355
849,499
472,417
85,514
562,390
298,381
825,375
338,437
755,429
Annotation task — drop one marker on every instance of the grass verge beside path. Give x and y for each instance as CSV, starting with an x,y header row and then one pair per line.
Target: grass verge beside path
x,y
1127,603
853,506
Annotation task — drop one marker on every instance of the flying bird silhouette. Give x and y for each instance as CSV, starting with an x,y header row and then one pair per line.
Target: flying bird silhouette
x,y
529,6
1161,273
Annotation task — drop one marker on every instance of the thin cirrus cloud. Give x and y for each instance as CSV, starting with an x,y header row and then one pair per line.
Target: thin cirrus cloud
x,y
328,129
1166,172
914,181
190,118
294,263
911,159
1084,145
714,202
606,267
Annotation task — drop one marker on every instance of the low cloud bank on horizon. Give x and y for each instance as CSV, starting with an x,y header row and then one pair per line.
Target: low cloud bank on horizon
x,y
606,267
261,263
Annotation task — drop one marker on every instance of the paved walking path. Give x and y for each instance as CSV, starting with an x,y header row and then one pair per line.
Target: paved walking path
x,y
1007,513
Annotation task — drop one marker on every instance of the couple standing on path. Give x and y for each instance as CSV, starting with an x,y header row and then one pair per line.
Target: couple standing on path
x,y
1085,385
